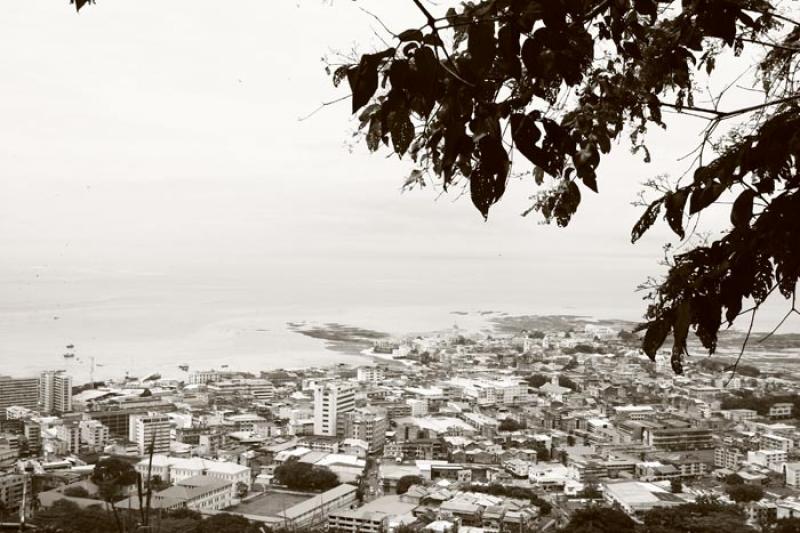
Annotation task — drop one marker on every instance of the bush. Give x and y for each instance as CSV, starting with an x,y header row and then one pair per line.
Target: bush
x,y
744,493
509,424
405,482
77,491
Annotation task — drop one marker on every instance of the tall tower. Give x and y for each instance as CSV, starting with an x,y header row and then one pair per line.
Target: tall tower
x,y
55,392
331,402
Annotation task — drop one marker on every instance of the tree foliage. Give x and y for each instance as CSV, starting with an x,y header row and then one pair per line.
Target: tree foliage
x,y
405,482
558,82
303,476
744,492
760,404
509,424
596,519
78,491
112,475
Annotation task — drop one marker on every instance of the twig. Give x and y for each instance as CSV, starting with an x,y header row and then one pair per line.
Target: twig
x,y
323,104
788,314
376,17
744,345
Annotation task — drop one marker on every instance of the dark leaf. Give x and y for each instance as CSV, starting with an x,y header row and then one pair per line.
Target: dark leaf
x,y
656,334
742,210
481,45
675,203
646,220
363,81
488,180
402,131
432,39
374,133
680,328
705,195
646,7
339,74
410,35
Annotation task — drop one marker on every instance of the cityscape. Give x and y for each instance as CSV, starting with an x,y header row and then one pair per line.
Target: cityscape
x,y
455,430
407,266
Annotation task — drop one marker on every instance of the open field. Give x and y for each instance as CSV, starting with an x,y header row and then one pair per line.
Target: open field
x,y
270,503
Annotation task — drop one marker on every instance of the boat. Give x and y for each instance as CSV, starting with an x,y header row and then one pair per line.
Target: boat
x,y
152,377
224,366
184,367
69,355
70,346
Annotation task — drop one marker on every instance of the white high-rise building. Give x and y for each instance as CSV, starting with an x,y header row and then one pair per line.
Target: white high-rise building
x,y
55,392
372,374
150,428
331,402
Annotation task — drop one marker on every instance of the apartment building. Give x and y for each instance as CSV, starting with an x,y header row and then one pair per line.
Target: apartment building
x,y
368,424
728,457
55,392
94,434
370,374
23,392
332,401
772,459
150,429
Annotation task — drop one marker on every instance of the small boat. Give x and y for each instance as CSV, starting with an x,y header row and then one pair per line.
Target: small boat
x,y
70,346
224,366
184,367
69,355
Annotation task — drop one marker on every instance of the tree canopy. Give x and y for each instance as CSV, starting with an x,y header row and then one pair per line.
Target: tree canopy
x,y
405,483
304,476
559,81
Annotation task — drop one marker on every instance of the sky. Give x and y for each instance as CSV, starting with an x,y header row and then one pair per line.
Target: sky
x,y
152,156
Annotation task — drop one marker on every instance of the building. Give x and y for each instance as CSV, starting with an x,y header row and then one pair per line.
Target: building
x,y
331,402
780,410
70,433
257,389
200,493
150,429
12,488
776,442
728,457
370,374
486,392
772,459
738,415
177,469
313,512
19,391
376,516
791,473
678,438
419,407
636,496
368,424
94,434
203,377
55,392
634,412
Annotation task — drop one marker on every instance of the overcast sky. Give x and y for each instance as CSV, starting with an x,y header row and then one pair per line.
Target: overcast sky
x,y
148,145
